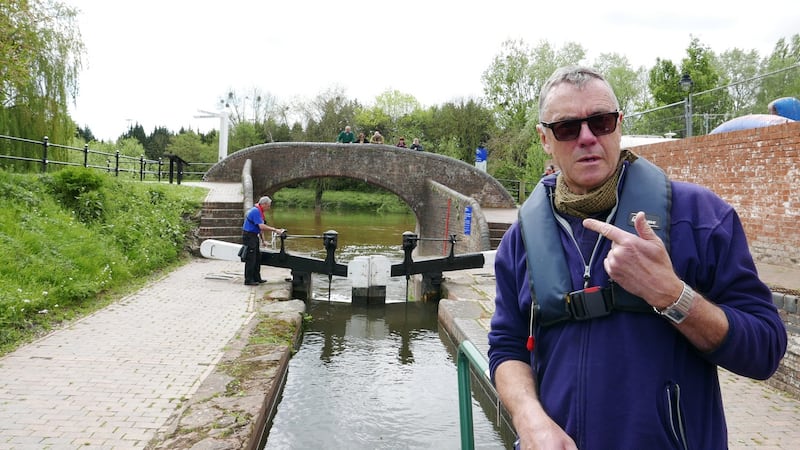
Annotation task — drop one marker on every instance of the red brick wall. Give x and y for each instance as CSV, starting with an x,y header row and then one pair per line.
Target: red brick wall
x,y
757,171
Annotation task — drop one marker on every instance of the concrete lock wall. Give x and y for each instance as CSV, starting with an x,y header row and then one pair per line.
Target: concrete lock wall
x,y
446,215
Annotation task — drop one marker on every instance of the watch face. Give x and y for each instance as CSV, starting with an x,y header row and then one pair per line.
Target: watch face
x,y
675,315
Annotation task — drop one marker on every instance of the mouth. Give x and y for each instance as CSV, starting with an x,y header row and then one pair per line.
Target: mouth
x,y
589,159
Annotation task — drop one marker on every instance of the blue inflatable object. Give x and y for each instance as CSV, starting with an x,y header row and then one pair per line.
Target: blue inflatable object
x,y
750,121
788,107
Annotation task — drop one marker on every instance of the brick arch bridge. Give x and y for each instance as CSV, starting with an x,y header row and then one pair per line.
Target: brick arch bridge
x,y
437,188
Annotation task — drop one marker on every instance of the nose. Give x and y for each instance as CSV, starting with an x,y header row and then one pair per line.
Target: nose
x,y
586,132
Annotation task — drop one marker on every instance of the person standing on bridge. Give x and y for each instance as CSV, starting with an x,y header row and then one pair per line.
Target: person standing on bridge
x,y
255,223
619,293
377,138
416,145
346,136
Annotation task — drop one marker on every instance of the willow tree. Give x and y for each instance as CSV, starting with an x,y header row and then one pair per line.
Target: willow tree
x,y
41,51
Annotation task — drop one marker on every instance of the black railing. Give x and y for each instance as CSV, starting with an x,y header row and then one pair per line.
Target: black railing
x,y
46,154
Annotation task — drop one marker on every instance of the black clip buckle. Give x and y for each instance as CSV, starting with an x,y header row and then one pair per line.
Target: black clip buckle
x,y
589,303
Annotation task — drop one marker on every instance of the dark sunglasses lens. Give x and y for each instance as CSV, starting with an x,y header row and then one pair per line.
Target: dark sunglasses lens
x,y
603,124
567,130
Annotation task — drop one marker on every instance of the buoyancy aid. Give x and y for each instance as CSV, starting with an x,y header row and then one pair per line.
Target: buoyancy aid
x,y
648,190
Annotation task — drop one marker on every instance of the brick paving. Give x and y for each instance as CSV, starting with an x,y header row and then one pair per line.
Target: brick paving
x,y
112,379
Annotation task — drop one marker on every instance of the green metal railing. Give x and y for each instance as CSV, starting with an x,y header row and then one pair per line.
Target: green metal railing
x,y
468,355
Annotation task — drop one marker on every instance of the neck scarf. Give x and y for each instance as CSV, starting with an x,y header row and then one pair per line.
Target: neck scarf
x,y
599,199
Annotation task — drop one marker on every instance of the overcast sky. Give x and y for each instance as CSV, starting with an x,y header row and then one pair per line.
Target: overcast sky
x,y
159,62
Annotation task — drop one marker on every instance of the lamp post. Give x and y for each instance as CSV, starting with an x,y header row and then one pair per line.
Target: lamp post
x,y
687,84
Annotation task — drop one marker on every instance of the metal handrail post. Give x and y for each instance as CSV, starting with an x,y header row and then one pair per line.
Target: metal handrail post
x,y
45,144
468,355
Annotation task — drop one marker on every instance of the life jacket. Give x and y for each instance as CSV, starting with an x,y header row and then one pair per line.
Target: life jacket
x,y
648,190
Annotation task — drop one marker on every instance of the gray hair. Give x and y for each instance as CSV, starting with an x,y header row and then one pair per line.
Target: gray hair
x,y
265,200
575,75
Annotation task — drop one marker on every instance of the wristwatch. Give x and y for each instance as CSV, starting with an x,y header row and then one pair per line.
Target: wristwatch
x,y
678,311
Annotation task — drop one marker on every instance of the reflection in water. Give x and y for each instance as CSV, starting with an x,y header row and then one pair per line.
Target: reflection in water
x,y
370,378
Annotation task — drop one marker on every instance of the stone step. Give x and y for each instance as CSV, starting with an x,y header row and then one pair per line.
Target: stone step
x,y
206,221
224,205
496,232
223,213
209,232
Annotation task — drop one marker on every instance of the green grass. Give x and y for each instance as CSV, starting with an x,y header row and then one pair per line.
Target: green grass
x,y
379,202
75,240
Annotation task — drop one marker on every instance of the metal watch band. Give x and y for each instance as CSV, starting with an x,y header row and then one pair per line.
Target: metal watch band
x,y
678,311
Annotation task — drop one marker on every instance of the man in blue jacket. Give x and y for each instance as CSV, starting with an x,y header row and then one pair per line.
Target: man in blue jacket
x,y
620,292
254,225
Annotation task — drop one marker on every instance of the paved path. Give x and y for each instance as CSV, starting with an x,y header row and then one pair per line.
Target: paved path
x,y
112,379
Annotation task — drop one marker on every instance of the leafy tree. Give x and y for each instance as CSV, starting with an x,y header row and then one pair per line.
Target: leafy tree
x,y
243,135
462,126
508,83
85,134
41,51
784,64
157,143
627,83
396,104
189,146
707,96
513,81
276,132
327,114
136,132
736,66
371,119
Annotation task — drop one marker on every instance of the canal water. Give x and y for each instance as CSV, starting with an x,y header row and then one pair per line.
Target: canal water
x,y
370,377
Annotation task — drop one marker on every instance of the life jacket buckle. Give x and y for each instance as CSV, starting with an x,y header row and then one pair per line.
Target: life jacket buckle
x,y
589,303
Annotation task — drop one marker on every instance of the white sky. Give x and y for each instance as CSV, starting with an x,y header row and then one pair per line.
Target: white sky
x,y
159,62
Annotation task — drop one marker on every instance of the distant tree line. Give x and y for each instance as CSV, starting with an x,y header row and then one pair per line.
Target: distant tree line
x,y
42,60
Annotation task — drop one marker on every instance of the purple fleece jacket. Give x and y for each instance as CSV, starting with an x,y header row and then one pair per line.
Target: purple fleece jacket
x,y
630,380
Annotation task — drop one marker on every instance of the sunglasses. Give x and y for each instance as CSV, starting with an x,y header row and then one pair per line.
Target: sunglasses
x,y
600,125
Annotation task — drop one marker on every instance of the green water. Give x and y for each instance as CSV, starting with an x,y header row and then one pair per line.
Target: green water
x,y
358,232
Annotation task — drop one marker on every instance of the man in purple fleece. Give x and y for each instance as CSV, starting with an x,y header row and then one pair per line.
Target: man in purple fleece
x,y
620,292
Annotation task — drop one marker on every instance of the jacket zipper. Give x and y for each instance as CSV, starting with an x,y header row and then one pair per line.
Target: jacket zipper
x,y
675,415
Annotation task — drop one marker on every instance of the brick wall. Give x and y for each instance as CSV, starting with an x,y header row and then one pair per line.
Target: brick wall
x,y
757,171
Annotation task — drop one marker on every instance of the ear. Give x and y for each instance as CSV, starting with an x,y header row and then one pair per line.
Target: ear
x,y
543,139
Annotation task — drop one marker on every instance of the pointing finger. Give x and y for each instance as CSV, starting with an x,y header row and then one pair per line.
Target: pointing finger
x,y
608,231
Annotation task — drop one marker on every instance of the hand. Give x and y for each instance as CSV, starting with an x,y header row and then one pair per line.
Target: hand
x,y
640,264
546,435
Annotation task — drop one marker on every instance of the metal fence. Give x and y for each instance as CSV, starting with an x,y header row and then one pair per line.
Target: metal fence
x,y
519,189
701,111
46,154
